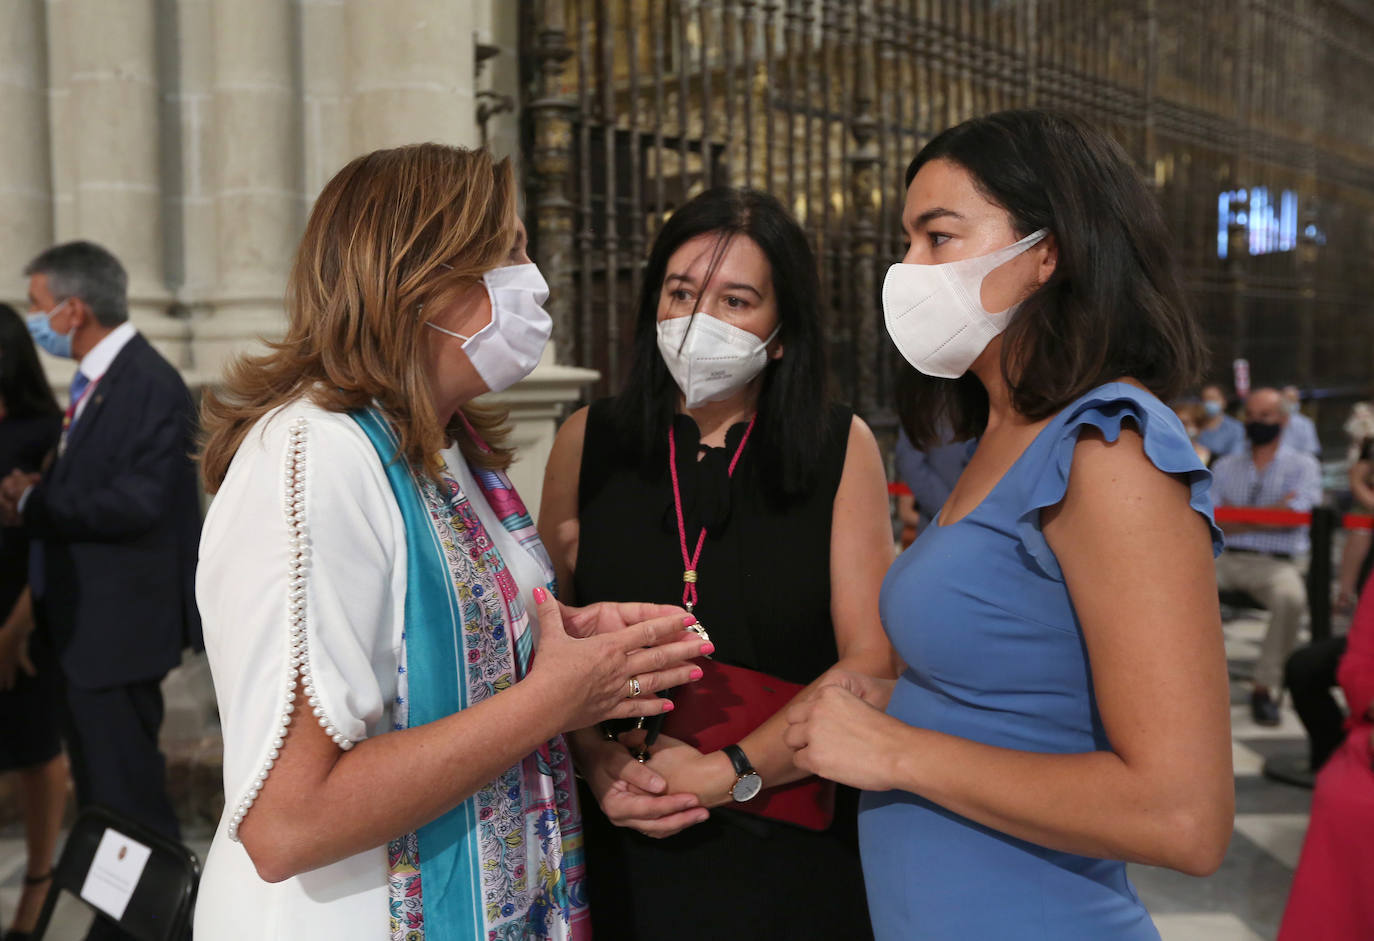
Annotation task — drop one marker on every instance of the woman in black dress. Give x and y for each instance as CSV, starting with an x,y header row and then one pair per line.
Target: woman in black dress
x,y
729,377
30,423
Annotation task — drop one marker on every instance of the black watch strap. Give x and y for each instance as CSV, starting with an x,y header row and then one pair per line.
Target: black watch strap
x,y
738,760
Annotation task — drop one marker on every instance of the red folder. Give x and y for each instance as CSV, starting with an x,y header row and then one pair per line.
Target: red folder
x,y
724,706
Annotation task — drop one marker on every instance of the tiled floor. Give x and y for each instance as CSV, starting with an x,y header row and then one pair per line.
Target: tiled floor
x,y
1243,901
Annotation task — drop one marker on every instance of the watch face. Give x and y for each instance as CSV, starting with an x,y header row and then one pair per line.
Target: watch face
x,y
747,787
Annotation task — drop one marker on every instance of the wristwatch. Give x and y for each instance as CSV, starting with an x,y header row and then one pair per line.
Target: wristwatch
x,y
747,781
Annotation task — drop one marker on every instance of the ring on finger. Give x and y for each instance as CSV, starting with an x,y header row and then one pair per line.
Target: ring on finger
x,y
635,688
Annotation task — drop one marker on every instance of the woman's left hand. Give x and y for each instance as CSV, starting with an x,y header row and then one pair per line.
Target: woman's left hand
x,y
607,617
708,776
837,735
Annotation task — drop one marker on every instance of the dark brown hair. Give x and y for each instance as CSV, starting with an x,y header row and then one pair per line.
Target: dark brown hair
x,y
1114,306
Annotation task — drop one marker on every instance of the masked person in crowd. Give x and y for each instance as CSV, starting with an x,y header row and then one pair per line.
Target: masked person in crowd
x,y
722,476
1300,433
1064,706
30,687
1192,414
369,581
1357,541
1262,558
1218,432
1330,898
114,520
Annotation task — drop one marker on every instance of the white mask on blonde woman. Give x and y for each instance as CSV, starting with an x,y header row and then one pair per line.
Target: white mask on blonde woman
x,y
507,349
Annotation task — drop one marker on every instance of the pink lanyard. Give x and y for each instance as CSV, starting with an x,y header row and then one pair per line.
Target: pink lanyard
x,y
689,563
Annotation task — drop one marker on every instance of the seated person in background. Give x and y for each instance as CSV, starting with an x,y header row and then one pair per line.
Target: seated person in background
x,y
1300,434
1193,415
1219,433
1361,475
909,517
932,473
1309,675
1331,898
1261,558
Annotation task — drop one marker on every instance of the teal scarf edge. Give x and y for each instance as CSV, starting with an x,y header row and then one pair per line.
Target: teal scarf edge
x,y
449,861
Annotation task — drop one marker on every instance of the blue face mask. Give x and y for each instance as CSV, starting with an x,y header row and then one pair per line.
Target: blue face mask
x,y
1212,407
48,339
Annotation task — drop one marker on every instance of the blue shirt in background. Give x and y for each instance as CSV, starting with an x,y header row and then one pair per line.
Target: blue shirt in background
x,y
1300,434
1226,438
931,474
1292,478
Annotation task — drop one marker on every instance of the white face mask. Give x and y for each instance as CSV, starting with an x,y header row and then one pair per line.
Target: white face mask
x,y
935,315
507,349
710,359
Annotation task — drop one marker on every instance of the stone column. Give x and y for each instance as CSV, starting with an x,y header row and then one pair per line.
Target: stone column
x,y
26,225
258,198
413,73
114,135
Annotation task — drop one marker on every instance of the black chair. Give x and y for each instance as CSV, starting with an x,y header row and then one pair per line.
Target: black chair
x,y
165,896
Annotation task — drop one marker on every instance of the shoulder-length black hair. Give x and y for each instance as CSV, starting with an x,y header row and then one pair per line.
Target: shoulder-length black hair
x,y
793,399
23,386
1114,306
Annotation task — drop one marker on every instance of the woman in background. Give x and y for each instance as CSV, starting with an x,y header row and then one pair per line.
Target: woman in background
x,y
1332,898
30,743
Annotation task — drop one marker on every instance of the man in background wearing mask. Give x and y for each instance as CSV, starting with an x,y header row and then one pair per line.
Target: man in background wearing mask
x,y
1300,433
1219,433
116,524
1261,559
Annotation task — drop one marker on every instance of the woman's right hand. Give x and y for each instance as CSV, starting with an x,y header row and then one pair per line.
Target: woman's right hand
x,y
590,677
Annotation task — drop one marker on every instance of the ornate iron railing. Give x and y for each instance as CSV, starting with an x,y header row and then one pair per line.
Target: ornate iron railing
x,y
1252,119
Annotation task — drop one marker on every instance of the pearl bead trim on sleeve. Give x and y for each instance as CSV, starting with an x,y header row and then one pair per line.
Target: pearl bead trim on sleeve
x,y
298,664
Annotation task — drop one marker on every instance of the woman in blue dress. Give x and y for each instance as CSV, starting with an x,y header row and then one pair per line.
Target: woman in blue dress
x,y
1064,706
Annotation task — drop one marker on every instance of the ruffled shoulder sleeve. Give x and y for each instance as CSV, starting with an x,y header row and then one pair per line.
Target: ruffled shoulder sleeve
x,y
1107,408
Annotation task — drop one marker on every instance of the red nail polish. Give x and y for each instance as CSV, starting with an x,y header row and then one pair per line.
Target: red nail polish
x,y
668,705
708,649
688,621
696,673
539,595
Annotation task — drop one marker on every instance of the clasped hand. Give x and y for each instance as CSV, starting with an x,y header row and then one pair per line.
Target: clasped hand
x,y
839,731
11,489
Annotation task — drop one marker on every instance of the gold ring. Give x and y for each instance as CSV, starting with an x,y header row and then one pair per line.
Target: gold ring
x,y
634,688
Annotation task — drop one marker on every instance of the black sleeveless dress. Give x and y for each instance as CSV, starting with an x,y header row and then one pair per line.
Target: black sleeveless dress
x,y
764,596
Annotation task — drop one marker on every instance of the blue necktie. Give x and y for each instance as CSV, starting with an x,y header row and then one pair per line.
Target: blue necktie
x,y
79,383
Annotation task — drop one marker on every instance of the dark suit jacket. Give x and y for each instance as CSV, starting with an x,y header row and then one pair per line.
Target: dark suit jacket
x,y
117,522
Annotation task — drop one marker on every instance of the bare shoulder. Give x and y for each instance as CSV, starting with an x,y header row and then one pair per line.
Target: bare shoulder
x,y
860,435
567,445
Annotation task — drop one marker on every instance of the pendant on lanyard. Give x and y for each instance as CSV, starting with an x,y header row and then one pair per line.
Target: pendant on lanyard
x,y
689,562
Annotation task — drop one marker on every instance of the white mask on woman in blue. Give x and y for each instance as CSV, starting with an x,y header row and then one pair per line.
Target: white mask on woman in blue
x,y
935,315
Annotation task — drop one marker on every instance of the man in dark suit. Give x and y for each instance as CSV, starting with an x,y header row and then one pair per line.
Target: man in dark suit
x,y
116,524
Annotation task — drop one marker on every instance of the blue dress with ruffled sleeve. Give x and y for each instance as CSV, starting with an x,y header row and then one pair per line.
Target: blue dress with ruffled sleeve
x,y
980,613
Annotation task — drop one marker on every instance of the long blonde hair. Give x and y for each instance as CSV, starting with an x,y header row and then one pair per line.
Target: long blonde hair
x,y
393,231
